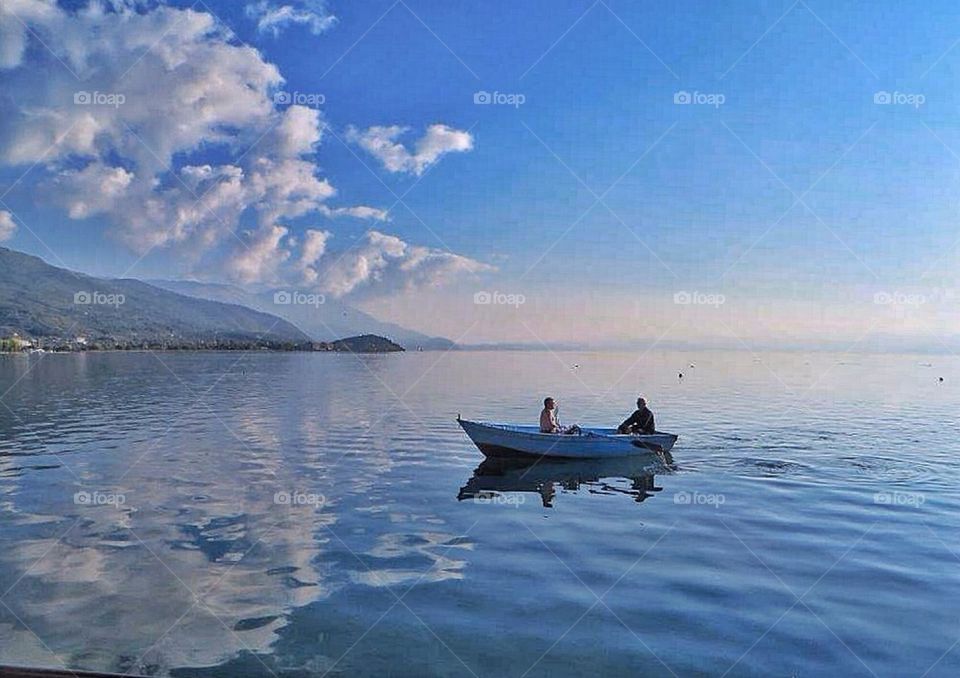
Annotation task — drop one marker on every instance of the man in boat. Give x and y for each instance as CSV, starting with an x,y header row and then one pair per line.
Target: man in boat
x,y
641,421
548,419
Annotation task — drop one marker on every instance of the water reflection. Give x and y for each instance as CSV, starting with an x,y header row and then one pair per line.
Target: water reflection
x,y
495,476
200,462
203,568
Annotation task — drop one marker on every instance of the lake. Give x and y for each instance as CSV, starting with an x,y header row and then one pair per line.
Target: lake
x,y
257,514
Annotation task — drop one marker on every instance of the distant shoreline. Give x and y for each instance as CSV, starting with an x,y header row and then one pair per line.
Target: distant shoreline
x,y
364,343
474,349
198,350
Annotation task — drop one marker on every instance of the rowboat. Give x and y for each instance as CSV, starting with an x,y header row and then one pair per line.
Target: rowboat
x,y
499,440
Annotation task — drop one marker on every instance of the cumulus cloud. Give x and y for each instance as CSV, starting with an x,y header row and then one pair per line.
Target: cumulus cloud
x,y
299,131
386,263
259,261
314,246
383,144
358,212
93,189
194,87
153,120
13,33
124,117
7,225
273,17
380,265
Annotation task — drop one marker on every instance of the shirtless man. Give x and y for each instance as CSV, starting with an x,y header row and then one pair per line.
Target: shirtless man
x,y
548,419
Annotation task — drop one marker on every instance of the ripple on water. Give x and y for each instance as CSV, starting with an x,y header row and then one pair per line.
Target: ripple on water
x,y
16,471
793,508
219,539
887,469
255,623
749,466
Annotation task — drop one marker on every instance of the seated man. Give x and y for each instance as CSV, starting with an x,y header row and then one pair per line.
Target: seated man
x,y
548,419
640,421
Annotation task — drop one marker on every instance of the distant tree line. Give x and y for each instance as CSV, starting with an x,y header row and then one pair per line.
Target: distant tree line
x,y
61,344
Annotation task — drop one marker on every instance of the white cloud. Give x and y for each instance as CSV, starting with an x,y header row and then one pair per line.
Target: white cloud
x,y
381,265
135,112
382,143
314,246
161,91
358,212
385,263
94,189
273,17
194,87
13,33
7,225
299,131
157,87
264,254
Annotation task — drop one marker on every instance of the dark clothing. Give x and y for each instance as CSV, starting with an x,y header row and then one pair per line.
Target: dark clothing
x,y
640,421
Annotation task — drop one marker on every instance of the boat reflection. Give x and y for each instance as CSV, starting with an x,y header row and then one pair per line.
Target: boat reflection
x,y
498,475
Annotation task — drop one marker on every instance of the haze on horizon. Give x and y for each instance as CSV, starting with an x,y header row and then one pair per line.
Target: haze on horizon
x,y
756,174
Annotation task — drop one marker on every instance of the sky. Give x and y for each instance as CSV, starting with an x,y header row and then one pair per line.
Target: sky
x,y
609,173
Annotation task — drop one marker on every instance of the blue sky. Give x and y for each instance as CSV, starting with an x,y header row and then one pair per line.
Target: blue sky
x,y
790,192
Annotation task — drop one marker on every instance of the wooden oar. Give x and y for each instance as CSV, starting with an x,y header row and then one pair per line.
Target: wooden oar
x,y
647,445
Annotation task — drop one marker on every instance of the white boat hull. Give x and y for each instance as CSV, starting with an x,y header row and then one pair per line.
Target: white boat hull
x,y
500,440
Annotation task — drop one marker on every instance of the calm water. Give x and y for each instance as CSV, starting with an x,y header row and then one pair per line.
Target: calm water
x,y
296,515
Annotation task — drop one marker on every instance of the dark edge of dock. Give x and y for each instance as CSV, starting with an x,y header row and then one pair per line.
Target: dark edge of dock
x,y
26,672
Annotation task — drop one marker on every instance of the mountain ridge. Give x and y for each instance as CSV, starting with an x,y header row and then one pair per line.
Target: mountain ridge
x,y
327,319
40,300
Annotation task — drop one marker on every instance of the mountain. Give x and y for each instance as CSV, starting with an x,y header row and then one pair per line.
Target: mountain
x,y
323,318
42,301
